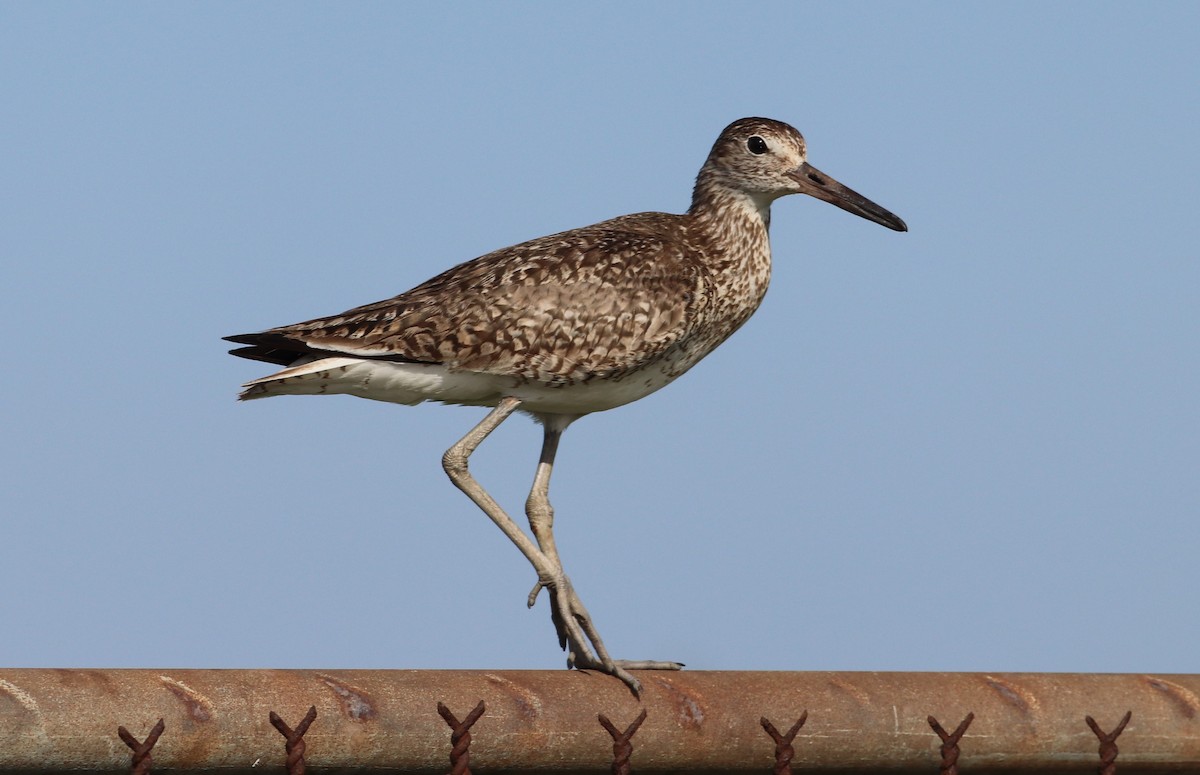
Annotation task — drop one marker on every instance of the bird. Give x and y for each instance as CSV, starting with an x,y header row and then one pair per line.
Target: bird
x,y
564,326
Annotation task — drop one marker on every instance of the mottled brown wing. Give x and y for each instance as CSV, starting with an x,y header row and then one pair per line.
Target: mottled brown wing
x,y
591,303
564,333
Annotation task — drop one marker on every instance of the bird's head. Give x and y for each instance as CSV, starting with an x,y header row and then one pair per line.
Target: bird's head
x,y
766,159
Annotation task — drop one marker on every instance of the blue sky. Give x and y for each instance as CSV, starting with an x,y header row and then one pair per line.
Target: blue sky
x,y
974,446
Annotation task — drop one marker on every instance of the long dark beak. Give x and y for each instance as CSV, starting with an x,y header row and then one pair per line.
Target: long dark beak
x,y
816,183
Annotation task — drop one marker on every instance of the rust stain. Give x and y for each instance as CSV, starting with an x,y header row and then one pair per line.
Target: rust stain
x,y
198,706
15,701
90,679
1013,695
355,702
689,708
854,690
528,705
1184,700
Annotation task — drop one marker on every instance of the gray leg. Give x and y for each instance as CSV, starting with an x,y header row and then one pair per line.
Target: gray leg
x,y
537,507
541,522
455,464
564,599
565,603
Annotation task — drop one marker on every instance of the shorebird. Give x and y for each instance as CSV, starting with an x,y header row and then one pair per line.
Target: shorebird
x,y
563,326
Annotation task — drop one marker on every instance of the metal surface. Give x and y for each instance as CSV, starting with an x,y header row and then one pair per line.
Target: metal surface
x,y
698,722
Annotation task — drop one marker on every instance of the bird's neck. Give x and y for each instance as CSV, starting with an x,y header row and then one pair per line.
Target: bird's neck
x,y
721,209
735,224
734,219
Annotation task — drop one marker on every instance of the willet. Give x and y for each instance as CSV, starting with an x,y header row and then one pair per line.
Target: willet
x,y
566,325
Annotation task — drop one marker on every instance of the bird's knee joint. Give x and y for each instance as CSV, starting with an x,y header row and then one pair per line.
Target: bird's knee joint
x,y
539,510
454,462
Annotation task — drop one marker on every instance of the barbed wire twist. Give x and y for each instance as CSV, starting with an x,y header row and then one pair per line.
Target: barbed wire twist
x,y
294,745
784,753
950,742
622,747
1108,743
460,737
141,761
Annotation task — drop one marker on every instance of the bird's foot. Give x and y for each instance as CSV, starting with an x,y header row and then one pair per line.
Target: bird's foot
x,y
578,636
619,668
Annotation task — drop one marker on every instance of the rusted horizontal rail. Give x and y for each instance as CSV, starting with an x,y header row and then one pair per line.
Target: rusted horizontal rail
x,y
696,722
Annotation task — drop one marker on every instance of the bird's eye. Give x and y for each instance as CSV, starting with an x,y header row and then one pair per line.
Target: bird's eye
x,y
757,145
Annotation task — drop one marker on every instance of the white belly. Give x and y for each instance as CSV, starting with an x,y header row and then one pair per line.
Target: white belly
x,y
412,383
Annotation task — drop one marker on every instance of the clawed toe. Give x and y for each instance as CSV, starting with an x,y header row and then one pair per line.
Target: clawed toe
x,y
533,593
648,664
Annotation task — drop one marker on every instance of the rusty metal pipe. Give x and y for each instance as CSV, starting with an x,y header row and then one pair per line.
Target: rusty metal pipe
x,y
698,722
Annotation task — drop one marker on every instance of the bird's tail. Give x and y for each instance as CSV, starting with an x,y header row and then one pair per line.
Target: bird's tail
x,y
315,377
